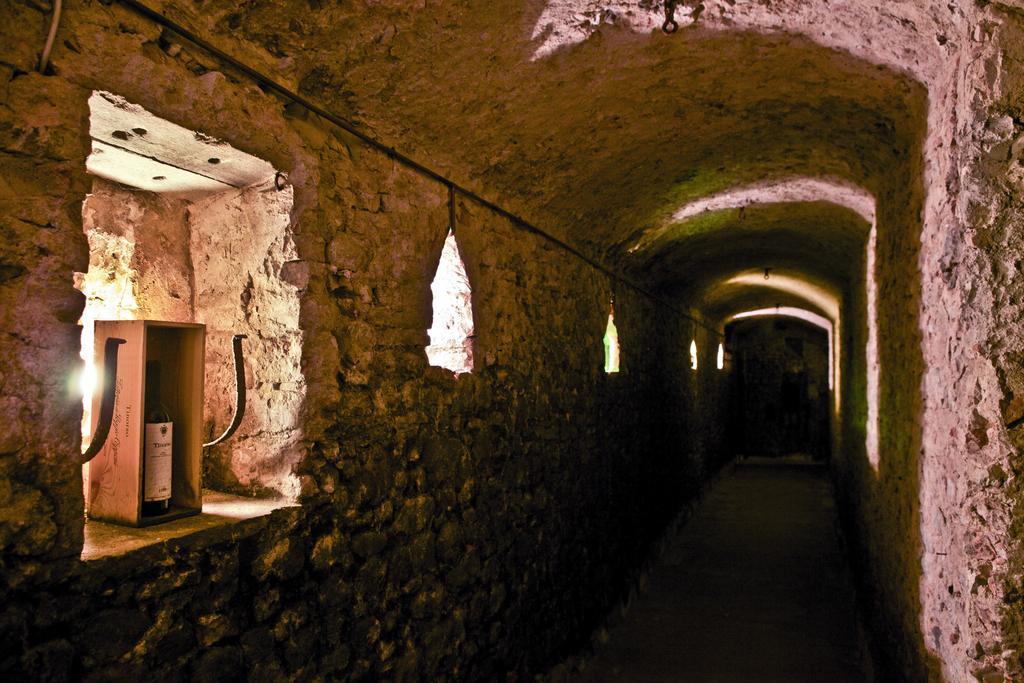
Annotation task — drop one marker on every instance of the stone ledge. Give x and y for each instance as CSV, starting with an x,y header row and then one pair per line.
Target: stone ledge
x,y
103,540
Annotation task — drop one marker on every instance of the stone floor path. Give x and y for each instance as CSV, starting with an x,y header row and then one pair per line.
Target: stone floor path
x,y
753,588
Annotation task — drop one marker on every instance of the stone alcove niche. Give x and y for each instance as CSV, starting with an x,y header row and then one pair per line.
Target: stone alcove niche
x,y
183,227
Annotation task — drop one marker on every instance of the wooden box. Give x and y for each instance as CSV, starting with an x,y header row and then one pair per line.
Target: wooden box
x,y
114,490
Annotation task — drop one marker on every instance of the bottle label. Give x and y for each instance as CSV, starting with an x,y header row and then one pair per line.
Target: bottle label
x,y
157,466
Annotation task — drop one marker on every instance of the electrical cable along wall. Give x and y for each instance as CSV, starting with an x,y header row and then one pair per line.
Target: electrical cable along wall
x,y
454,188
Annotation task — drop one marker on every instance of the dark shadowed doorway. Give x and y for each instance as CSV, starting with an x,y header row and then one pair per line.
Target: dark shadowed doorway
x,y
781,394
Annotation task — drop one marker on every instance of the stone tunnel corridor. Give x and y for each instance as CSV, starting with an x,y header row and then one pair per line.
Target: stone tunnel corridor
x,y
390,340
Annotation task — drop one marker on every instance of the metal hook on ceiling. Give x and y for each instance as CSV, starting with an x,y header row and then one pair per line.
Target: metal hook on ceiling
x,y
671,25
451,208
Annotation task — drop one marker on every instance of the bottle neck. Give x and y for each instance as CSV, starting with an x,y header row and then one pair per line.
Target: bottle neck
x,y
155,409
157,414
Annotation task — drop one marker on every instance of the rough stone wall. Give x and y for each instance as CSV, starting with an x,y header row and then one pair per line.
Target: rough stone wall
x,y
881,505
966,476
706,390
41,192
957,497
246,280
981,295
139,239
450,527
196,610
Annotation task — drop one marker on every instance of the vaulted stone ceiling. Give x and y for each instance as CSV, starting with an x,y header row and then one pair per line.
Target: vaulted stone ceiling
x,y
821,239
585,119
729,298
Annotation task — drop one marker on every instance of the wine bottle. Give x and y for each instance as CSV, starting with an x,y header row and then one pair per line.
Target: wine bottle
x,y
158,450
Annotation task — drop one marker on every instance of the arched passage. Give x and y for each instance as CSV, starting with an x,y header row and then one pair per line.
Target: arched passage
x,y
593,156
783,386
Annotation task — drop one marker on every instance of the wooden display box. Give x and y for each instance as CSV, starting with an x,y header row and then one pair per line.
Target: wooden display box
x,y
115,475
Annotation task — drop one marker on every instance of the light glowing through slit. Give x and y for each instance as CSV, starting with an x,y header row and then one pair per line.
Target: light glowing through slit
x,y
451,332
720,359
693,354
611,345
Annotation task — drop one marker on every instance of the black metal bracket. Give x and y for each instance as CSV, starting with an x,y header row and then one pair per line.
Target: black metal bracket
x,y
99,437
671,25
451,208
236,419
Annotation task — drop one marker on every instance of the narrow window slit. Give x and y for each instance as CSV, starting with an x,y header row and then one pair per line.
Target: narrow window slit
x,y
451,330
611,344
